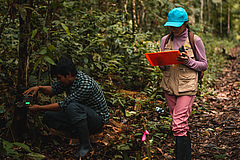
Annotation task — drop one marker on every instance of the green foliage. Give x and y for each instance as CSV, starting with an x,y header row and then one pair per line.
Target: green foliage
x,y
220,156
2,109
100,39
8,149
109,48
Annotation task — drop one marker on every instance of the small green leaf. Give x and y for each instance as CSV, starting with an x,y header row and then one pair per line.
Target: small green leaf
x,y
123,147
55,142
45,30
23,146
34,32
65,28
36,156
8,124
99,66
43,51
118,156
7,145
51,48
138,134
49,60
36,64
85,60
129,114
2,110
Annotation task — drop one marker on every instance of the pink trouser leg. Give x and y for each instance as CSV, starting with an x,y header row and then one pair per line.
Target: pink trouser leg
x,y
180,108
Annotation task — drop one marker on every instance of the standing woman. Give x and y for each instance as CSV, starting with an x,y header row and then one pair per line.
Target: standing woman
x,y
180,82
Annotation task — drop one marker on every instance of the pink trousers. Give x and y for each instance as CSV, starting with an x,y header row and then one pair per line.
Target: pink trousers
x,y
180,108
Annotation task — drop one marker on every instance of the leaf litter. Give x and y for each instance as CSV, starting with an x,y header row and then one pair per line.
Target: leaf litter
x,y
214,128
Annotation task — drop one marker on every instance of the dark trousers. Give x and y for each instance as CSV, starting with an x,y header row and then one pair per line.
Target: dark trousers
x,y
75,113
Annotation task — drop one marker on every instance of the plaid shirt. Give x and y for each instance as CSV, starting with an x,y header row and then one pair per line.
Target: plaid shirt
x,y
84,90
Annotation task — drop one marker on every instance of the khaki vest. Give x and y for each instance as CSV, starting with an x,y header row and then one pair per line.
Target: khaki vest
x,y
179,79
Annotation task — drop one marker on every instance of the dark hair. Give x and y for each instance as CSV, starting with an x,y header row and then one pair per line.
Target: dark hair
x,y
188,28
63,66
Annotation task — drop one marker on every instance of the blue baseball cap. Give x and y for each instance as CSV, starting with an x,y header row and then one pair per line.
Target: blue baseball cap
x,y
176,17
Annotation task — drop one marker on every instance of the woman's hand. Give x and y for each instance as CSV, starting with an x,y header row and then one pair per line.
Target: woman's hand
x,y
32,89
183,57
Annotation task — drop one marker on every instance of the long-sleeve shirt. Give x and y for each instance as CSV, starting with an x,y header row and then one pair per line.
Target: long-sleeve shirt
x,y
84,90
201,63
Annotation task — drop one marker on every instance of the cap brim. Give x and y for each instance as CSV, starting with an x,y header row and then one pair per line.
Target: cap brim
x,y
174,24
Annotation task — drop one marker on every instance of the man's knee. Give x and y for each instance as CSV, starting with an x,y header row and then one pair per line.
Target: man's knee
x,y
75,107
76,112
47,117
50,121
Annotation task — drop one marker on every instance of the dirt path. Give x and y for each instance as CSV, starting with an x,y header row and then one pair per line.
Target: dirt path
x,y
216,132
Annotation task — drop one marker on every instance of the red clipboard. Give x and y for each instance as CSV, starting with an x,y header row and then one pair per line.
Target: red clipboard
x,y
163,58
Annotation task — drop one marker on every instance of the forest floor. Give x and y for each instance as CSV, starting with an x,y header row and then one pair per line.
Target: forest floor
x,y
214,129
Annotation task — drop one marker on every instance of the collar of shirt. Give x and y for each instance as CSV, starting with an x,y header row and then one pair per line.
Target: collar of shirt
x,y
76,81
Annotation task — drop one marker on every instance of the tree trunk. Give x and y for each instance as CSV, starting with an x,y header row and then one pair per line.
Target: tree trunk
x,y
125,12
134,20
229,11
192,20
201,14
18,126
142,15
204,15
221,18
209,13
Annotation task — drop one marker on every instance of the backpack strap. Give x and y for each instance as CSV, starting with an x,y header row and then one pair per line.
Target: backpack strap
x,y
191,40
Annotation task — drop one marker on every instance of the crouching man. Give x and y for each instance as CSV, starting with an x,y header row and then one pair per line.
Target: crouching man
x,y
84,110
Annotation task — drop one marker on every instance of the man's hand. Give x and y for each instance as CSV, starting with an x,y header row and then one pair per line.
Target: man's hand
x,y
35,108
32,89
183,57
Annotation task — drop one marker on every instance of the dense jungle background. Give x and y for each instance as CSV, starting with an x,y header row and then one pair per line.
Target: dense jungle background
x,y
107,40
